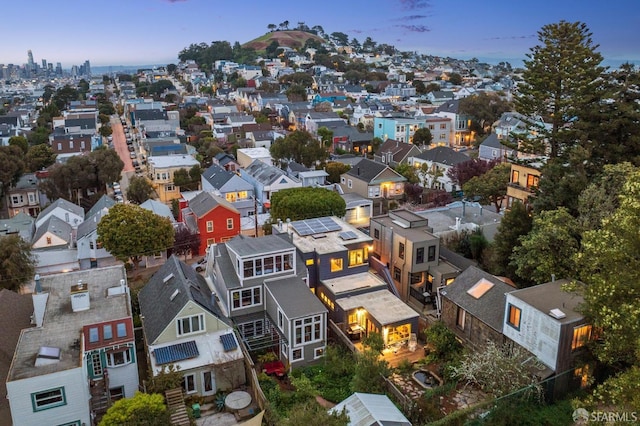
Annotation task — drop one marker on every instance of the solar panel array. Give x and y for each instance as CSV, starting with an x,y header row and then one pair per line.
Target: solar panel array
x,y
228,342
315,226
177,352
348,235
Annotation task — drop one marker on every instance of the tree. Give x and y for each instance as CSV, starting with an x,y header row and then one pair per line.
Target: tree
x,y
548,249
299,146
609,266
108,165
185,242
39,157
272,27
17,265
498,371
340,38
188,179
485,108
139,190
561,79
20,142
11,166
515,223
167,377
409,172
141,409
313,414
462,173
272,49
335,169
130,232
422,137
306,203
326,136
455,79
491,186
370,369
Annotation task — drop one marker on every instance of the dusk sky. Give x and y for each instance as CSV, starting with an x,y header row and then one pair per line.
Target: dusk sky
x,y
143,32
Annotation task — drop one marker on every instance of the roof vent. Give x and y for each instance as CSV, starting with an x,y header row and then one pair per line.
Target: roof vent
x,y
557,313
175,293
167,278
80,297
47,355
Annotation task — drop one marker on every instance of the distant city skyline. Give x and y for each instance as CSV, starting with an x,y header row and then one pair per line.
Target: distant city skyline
x,y
121,32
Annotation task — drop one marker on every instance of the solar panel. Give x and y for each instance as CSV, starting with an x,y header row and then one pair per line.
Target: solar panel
x,y
177,352
228,342
348,235
315,226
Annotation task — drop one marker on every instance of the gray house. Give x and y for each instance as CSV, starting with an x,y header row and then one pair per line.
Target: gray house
x,y
231,187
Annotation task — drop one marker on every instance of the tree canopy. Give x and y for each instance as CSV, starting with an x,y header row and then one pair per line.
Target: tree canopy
x,y
306,203
485,108
141,409
299,146
515,223
461,173
130,232
17,265
491,186
560,80
422,137
139,190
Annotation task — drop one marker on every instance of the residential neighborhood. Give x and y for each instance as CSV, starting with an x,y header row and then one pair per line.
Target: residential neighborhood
x,y
327,230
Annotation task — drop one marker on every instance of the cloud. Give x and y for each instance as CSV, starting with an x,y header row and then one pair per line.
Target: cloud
x,y
414,4
175,1
520,37
414,28
412,18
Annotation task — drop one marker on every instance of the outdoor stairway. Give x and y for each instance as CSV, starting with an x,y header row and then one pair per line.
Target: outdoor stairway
x,y
175,403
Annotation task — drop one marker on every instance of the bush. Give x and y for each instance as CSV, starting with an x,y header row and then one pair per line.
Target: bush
x,y
405,366
443,344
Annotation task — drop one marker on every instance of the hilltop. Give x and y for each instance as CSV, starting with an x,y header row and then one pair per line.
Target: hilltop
x,y
289,38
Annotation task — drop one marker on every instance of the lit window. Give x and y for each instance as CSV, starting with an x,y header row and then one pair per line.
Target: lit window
x,y
401,250
336,265
356,257
117,358
309,262
514,317
318,353
581,336
48,399
460,317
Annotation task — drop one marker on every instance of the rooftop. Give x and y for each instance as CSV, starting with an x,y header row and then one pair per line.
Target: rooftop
x,y
62,328
382,305
354,282
548,296
336,239
166,161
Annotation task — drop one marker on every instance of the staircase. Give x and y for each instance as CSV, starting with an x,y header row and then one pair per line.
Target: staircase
x,y
99,397
175,403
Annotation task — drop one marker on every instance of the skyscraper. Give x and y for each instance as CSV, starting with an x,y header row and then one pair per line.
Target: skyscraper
x,y
31,66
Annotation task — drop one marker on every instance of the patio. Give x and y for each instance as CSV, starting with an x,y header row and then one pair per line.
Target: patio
x,y
395,355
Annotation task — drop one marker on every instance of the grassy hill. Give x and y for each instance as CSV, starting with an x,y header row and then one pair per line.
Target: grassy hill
x,y
293,39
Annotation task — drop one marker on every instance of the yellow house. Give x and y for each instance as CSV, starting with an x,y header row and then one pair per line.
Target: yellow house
x,y
523,184
161,170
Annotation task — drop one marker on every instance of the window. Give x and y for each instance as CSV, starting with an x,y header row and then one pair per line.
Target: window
x,y
401,250
93,335
336,265
81,144
443,126
209,226
207,382
170,187
581,336
48,240
357,257
460,317
432,126
76,423
121,330
296,355
246,298
96,364
189,325
431,256
117,358
415,278
251,329
308,330
308,262
420,255
189,383
59,146
443,136
48,399
376,234
514,317
230,223
343,180
280,319
532,181
515,176
107,332
116,393
349,183
70,144
318,353
397,274
91,246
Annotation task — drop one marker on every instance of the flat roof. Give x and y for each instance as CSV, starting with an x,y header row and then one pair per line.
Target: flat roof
x,y
353,282
165,161
548,296
61,326
328,242
443,219
381,305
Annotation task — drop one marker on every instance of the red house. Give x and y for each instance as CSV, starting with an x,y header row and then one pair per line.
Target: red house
x,y
215,219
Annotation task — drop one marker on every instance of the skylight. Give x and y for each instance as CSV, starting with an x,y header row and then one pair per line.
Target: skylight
x,y
480,288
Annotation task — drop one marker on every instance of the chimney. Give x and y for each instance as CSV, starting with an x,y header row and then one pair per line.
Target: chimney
x,y
38,288
80,297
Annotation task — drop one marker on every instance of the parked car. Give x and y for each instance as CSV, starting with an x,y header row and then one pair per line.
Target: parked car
x,y
200,265
131,148
135,163
132,155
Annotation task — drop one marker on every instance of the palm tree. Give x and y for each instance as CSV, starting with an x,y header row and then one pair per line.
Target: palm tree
x,y
286,25
272,27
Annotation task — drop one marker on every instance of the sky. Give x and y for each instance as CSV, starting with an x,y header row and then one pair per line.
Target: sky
x,y
145,32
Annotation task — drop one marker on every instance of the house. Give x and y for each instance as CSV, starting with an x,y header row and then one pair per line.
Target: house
x,y
400,129
544,320
64,210
434,164
21,224
359,210
91,254
370,409
261,285
231,187
337,256
492,148
462,216
24,196
161,170
53,232
266,180
81,356
183,327
473,307
246,156
16,310
373,180
441,129
523,183
462,135
215,219
439,97
225,161
393,152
